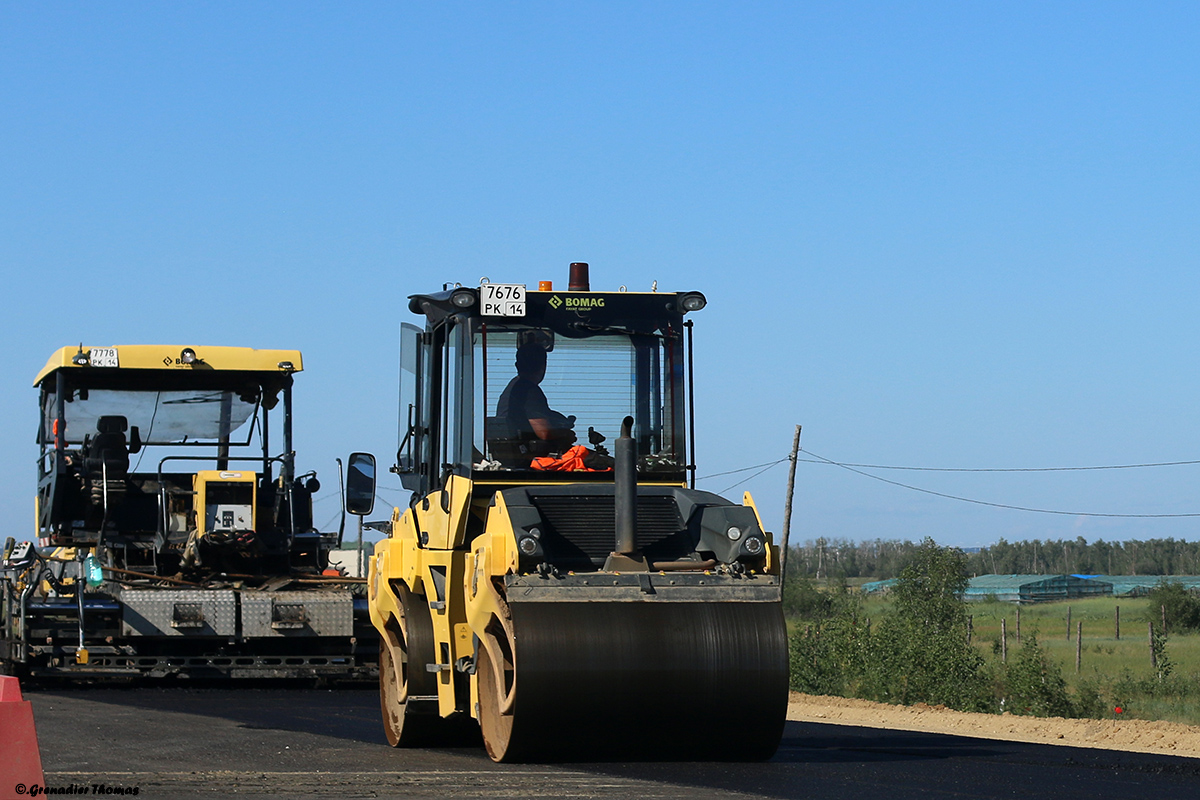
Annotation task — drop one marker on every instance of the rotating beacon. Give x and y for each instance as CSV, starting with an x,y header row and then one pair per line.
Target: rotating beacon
x,y
578,603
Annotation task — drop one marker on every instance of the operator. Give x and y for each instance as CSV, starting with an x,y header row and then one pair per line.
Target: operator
x,y
523,405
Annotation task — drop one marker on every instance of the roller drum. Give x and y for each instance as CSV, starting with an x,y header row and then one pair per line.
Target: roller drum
x,y
644,680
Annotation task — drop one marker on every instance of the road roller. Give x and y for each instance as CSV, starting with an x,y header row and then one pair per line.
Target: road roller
x,y
556,582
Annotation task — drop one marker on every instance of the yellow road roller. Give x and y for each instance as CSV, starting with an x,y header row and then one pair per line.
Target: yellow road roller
x,y
557,577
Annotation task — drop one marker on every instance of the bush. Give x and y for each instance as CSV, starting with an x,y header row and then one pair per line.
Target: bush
x,y
801,598
1035,685
824,659
917,653
1181,606
1089,702
909,662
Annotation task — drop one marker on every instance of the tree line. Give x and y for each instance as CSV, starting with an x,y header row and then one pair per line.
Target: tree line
x,y
823,558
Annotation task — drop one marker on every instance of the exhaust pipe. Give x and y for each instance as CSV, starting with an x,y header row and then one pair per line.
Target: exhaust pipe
x,y
625,481
625,557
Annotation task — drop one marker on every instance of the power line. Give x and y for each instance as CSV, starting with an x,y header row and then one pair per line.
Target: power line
x,y
752,477
743,469
819,460
850,468
953,469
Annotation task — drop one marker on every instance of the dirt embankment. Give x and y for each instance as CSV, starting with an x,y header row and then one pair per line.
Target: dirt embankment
x,y
1136,735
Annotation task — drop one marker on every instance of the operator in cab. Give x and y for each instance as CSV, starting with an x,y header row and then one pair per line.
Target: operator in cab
x,y
524,407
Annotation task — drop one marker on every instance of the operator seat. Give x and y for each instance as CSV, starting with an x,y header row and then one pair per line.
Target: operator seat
x,y
505,445
108,454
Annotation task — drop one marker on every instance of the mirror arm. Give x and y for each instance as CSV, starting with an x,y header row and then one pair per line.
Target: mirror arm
x,y
342,491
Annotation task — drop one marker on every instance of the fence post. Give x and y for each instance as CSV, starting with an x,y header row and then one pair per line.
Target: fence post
x,y
1068,623
970,627
1153,656
1018,623
1004,640
1118,623
1079,647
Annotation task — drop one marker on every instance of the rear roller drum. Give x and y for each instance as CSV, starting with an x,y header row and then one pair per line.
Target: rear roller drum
x,y
403,679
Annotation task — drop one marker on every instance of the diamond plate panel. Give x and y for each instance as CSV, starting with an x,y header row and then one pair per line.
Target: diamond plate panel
x,y
313,613
178,612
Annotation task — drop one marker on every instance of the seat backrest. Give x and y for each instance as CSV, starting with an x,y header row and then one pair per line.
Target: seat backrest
x,y
109,447
504,444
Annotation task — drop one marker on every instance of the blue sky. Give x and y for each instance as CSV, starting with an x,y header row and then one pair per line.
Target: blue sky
x,y
935,234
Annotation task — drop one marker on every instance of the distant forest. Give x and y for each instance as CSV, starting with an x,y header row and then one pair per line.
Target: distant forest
x,y
880,558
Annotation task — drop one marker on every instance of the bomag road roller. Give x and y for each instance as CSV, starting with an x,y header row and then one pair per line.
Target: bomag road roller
x,y
555,577
174,535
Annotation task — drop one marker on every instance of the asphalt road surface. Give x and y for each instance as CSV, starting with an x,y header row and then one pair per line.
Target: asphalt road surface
x,y
316,743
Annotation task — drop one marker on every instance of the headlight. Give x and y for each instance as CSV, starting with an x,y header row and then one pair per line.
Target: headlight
x,y
734,533
691,301
527,545
753,545
462,298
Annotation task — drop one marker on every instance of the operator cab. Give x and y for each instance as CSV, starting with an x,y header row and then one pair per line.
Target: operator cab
x,y
540,395
168,457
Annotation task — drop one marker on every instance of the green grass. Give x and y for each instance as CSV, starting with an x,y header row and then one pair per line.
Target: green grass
x,y
1119,669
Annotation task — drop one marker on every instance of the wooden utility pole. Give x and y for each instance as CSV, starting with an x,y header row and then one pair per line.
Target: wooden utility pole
x,y
787,508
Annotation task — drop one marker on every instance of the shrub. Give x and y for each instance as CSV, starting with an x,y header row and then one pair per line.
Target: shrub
x,y
1089,702
917,653
1035,685
1182,608
801,598
821,661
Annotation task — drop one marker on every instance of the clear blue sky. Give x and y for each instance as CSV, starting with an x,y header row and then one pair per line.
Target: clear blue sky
x,y
935,234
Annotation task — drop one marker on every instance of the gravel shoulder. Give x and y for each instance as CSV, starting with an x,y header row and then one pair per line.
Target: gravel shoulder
x,y
1133,735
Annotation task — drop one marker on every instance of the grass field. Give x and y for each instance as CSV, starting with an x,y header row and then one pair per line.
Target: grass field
x,y
1119,670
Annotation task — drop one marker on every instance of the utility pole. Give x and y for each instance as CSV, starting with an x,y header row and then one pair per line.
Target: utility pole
x,y
787,508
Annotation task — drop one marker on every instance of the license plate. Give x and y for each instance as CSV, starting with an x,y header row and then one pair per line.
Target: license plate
x,y
103,357
502,299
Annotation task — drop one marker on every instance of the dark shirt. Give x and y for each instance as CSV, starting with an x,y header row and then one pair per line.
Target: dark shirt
x,y
521,401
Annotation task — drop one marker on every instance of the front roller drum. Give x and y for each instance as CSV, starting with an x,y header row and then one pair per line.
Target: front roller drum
x,y
637,680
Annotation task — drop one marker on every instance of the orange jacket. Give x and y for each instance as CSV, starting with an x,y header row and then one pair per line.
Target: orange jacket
x,y
570,461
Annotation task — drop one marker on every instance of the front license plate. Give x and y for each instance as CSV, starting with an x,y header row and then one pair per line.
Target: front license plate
x,y
103,357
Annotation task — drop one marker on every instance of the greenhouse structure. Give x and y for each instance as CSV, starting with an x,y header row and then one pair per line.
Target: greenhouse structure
x,y
1035,588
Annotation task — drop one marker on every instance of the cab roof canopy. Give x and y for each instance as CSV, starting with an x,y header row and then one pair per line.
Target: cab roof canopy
x,y
150,363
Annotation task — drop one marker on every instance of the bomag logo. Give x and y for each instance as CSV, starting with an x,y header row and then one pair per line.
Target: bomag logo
x,y
576,303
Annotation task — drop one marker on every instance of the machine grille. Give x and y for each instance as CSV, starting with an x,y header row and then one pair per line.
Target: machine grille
x,y
581,527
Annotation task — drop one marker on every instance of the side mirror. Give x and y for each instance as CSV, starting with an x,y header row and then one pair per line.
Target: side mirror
x,y
135,440
360,484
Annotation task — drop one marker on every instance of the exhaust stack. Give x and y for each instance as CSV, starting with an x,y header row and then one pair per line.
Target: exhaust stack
x,y
625,556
